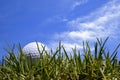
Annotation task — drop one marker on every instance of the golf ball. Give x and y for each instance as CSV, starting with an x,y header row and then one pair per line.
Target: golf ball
x,y
31,49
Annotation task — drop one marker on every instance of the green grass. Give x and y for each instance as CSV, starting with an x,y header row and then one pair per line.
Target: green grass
x,y
99,64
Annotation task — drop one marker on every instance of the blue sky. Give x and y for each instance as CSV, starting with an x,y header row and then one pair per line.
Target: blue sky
x,y
49,21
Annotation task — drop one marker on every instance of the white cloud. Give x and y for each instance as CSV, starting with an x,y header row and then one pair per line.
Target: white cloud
x,y
81,34
105,21
70,4
101,23
78,3
69,46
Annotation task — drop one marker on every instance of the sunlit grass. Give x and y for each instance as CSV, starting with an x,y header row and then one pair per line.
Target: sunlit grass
x,y
99,64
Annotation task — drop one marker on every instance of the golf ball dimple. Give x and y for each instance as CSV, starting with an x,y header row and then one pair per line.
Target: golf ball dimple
x,y
31,49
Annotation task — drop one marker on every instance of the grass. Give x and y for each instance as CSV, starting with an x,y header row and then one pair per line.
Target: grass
x,y
99,64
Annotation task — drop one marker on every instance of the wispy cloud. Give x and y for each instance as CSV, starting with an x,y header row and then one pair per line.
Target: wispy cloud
x,y
104,22
64,7
101,23
78,3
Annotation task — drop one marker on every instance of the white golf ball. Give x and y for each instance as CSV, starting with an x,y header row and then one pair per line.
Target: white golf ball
x,y
31,49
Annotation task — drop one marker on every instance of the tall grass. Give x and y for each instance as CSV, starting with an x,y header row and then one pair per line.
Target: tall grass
x,y
99,64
